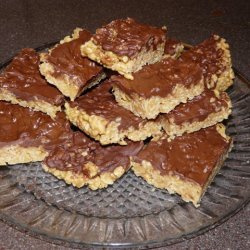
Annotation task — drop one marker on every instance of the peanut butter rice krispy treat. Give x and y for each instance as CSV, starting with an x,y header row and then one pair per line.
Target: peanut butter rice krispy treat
x,y
203,111
64,67
27,135
173,48
125,45
187,164
159,88
98,114
21,83
213,56
82,161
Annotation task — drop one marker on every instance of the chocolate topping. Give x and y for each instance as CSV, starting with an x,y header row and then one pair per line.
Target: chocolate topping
x,y
160,79
22,78
100,102
207,55
126,37
28,128
198,109
67,60
191,156
73,155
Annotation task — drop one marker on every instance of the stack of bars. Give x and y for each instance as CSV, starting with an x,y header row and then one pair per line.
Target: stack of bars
x,y
137,99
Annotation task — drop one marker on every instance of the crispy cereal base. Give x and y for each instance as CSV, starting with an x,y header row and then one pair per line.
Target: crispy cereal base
x,y
225,78
96,180
15,154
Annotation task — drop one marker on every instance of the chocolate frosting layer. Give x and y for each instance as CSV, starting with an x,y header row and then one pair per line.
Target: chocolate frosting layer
x,y
207,55
100,102
22,78
160,79
198,109
191,156
76,153
67,60
28,128
126,37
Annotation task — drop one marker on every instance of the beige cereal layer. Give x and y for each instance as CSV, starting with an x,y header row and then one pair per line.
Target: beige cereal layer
x,y
150,107
15,154
67,84
94,182
225,78
122,64
108,132
38,105
188,190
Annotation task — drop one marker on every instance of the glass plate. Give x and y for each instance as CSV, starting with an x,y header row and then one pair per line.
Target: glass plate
x,y
131,213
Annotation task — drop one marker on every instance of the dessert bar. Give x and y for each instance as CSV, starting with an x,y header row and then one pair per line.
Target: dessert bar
x,y
203,111
64,67
159,88
82,161
27,135
125,45
21,83
98,114
185,165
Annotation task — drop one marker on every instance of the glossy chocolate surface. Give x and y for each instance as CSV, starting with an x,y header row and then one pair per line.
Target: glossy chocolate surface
x,y
160,79
22,78
73,155
207,55
197,109
28,128
100,102
67,60
126,37
192,156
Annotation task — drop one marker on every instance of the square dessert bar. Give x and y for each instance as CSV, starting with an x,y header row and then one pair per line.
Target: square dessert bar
x,y
21,83
27,135
125,45
213,56
64,67
202,111
159,88
185,165
82,161
98,114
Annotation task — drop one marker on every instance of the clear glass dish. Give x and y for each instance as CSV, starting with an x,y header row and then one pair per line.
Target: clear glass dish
x,y
131,213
